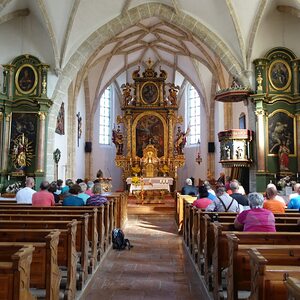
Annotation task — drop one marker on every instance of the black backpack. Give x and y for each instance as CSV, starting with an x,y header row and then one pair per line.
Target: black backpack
x,y
119,241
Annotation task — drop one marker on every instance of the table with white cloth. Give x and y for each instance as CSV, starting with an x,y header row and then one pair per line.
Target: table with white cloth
x,y
150,190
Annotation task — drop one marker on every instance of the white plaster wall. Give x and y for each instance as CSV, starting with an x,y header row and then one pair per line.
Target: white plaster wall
x,y
25,35
60,142
80,154
104,155
237,109
191,168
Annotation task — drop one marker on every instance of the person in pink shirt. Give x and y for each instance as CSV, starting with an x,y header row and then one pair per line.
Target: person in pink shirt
x,y
89,190
256,219
203,201
43,197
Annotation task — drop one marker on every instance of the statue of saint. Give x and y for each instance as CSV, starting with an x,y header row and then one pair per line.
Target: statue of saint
x,y
180,140
283,155
118,140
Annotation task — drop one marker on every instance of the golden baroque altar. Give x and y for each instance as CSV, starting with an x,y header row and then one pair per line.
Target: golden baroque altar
x,y
148,144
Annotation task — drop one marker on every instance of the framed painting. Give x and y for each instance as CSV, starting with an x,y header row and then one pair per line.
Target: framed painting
x,y
149,128
281,130
149,92
280,75
26,79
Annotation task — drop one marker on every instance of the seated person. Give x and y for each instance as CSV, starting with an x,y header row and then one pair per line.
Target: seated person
x,y
90,185
223,202
53,189
271,203
256,218
189,189
82,194
295,201
203,201
241,199
43,197
277,197
73,199
96,199
211,192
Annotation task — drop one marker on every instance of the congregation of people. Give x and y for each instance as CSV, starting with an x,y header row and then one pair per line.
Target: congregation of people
x,y
77,193
255,211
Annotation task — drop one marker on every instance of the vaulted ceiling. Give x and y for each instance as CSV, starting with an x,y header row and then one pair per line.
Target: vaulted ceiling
x,y
230,30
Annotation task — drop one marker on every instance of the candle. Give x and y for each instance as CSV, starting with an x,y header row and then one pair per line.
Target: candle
x,y
275,176
297,175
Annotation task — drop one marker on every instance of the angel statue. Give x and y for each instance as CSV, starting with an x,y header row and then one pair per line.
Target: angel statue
x,y
118,140
181,140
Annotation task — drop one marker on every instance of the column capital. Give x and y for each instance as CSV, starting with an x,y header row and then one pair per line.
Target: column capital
x,y
261,112
42,115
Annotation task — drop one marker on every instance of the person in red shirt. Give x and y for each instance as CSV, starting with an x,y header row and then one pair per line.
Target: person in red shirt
x,y
203,201
43,197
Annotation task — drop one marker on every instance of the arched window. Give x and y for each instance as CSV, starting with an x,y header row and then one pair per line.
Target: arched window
x,y
105,117
193,115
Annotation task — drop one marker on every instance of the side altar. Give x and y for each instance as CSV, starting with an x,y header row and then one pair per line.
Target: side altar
x,y
148,142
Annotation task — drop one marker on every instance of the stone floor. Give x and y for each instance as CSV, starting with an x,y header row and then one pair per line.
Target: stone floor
x,y
157,267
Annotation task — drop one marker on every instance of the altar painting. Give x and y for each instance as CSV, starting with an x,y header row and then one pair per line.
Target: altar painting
x,y
149,130
281,128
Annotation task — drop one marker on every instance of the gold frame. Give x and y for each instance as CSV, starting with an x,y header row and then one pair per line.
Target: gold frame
x,y
133,131
267,131
20,90
157,92
289,75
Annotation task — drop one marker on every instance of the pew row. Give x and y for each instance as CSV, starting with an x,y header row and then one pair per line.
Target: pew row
x,y
15,273
268,272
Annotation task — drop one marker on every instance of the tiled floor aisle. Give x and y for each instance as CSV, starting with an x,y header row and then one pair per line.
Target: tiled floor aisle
x,y
155,268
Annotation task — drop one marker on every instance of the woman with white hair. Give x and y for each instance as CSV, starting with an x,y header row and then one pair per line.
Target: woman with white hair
x,y
189,189
256,219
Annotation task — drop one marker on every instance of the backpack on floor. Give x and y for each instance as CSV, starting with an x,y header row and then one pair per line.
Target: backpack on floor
x,y
119,241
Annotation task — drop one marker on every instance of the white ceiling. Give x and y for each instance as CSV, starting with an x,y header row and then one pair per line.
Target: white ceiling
x,y
237,23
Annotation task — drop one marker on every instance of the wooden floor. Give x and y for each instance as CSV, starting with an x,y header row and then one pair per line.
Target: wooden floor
x,y
157,267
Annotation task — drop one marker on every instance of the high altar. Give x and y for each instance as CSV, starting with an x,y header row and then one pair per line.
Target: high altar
x,y
147,144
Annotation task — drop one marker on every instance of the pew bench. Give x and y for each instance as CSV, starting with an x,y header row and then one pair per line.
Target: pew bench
x,y
15,273
268,272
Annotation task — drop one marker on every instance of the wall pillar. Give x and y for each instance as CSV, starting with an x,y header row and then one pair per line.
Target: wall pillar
x,y
6,142
41,143
260,140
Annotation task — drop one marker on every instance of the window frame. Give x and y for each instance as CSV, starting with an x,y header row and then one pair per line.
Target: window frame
x,y
107,126
197,116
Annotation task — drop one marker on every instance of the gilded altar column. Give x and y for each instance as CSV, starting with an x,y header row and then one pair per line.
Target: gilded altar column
x,y
41,143
170,133
6,142
129,135
260,141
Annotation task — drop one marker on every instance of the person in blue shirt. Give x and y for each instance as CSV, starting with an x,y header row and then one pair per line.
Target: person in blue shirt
x,y
189,189
73,199
295,201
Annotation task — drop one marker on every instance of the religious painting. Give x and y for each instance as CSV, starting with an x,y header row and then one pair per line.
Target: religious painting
x,y
149,92
280,75
281,132
23,140
26,79
60,120
149,131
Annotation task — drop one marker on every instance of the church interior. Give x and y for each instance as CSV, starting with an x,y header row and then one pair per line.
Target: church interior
x,y
141,95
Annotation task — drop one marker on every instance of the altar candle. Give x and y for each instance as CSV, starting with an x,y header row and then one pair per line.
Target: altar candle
x,y
130,161
275,176
297,175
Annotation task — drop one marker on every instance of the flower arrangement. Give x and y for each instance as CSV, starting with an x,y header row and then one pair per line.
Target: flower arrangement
x,y
135,180
14,188
164,169
285,181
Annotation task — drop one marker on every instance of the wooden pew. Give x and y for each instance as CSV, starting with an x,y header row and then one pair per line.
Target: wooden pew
x,y
67,254
239,276
217,247
268,270
45,273
81,235
15,273
293,286
92,233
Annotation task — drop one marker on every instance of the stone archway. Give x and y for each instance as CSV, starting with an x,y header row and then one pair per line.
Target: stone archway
x,y
101,36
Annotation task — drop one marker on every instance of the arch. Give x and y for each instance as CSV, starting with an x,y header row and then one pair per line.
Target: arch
x,y
105,33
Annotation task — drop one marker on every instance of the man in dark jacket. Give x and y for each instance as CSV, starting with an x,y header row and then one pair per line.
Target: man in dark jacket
x,y
241,199
189,189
